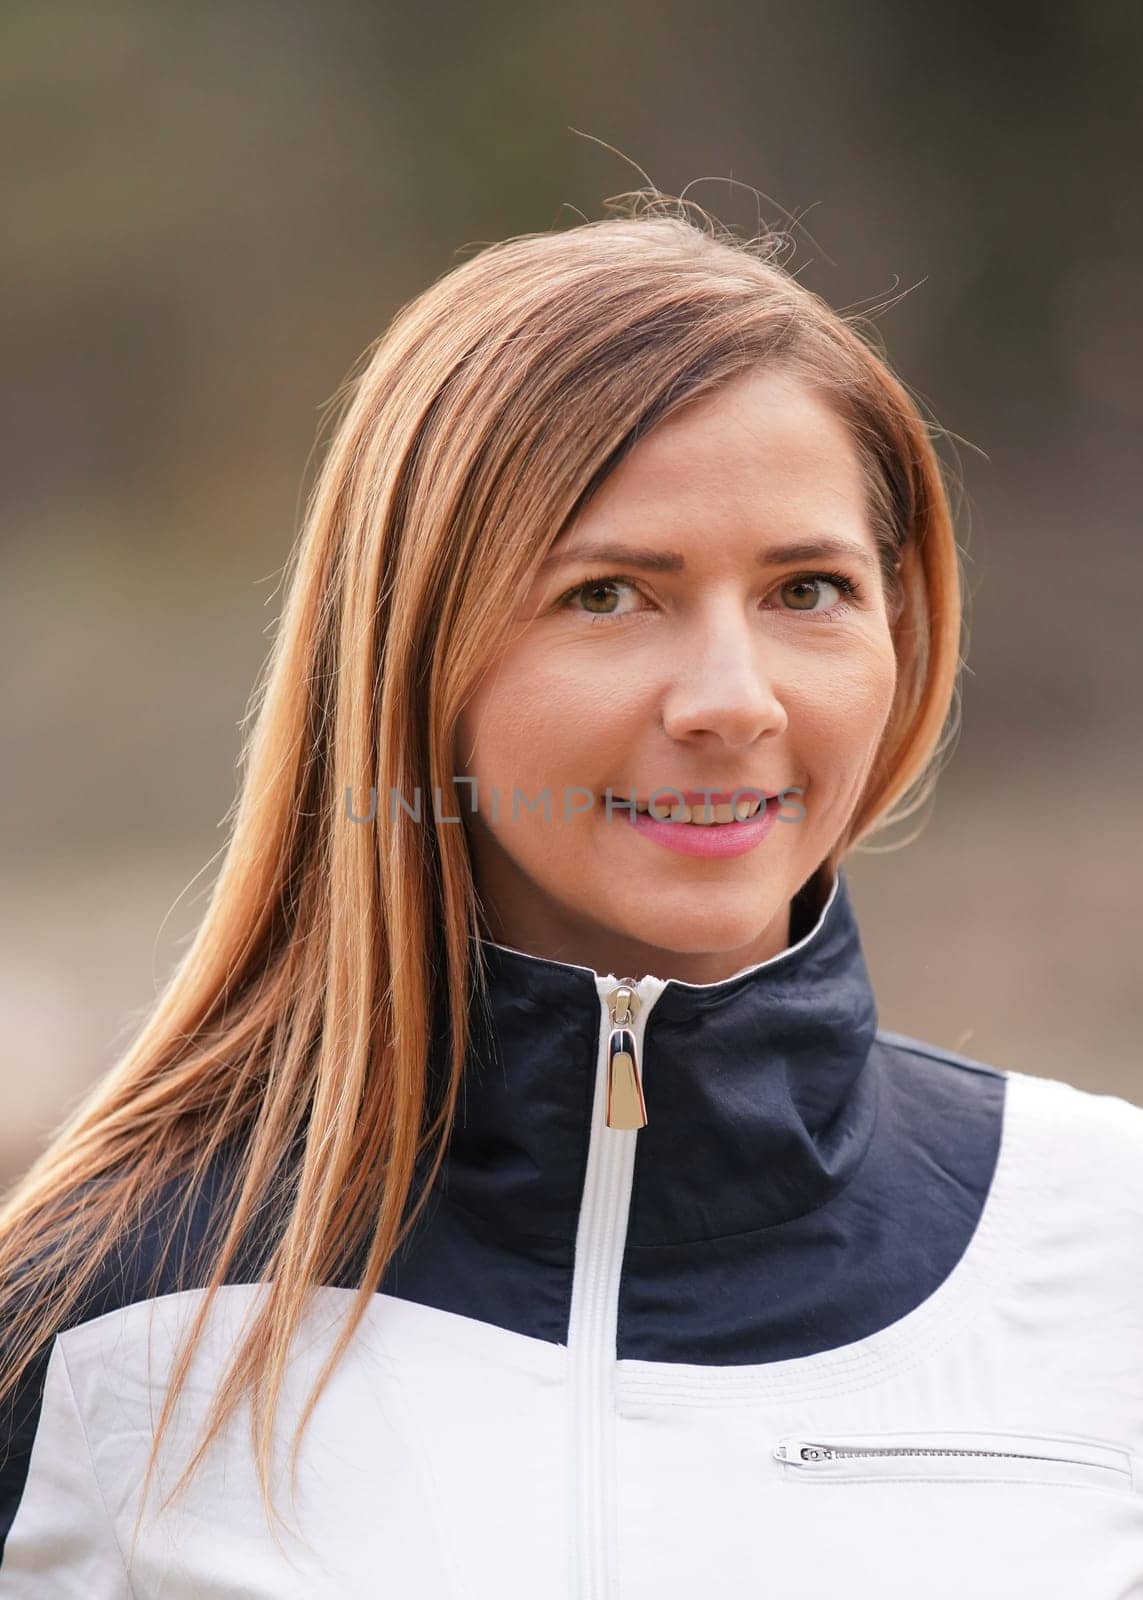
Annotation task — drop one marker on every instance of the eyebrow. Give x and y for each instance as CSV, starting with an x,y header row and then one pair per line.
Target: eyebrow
x,y
670,561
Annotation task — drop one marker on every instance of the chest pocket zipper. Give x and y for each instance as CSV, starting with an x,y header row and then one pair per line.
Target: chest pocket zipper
x,y
956,1457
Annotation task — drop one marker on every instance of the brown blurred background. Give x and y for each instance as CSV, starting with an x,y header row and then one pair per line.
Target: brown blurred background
x,y
212,210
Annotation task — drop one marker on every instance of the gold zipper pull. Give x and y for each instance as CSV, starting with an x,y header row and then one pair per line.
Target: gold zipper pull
x,y
625,1104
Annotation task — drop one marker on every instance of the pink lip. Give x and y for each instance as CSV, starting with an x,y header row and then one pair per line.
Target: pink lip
x,y
717,840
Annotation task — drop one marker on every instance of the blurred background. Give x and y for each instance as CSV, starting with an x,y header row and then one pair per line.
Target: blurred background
x,y
212,211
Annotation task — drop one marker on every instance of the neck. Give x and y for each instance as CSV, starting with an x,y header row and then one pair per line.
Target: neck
x,y
607,950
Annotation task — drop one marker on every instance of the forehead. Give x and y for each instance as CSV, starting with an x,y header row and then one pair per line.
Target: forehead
x,y
764,450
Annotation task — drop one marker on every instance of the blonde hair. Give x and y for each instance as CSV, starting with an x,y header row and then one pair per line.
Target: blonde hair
x,y
296,1029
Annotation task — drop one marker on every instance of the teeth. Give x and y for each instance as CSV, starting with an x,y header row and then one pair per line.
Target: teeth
x,y
701,815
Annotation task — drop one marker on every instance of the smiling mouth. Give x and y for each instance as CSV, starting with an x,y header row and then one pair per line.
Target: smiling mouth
x,y
701,814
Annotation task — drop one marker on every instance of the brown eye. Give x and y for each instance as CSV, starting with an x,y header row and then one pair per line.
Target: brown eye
x,y
804,588
593,591
806,591
598,598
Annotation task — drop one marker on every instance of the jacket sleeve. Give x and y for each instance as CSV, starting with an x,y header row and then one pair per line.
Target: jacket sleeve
x,y
56,1538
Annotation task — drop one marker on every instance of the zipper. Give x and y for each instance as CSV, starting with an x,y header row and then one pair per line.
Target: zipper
x,y
1095,1462
626,1107
618,1112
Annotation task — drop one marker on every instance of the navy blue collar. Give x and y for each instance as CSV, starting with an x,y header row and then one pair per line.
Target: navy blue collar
x,y
760,1096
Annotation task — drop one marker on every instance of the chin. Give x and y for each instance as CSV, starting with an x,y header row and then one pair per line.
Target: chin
x,y
709,930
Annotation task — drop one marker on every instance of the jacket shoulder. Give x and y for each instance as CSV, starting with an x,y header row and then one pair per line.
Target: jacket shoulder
x,y
1053,1109
904,1045
1094,1132
167,1244
1071,1158
166,1247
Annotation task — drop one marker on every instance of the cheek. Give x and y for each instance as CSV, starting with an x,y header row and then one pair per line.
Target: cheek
x,y
838,720
532,725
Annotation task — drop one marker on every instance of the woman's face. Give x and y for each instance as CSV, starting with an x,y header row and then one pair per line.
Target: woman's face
x,y
706,655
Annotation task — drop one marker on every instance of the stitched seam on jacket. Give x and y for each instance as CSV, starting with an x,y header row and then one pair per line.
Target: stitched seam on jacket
x,y
947,1058
499,1230
967,1483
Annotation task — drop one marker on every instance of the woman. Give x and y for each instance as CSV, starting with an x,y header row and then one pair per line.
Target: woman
x,y
527,1152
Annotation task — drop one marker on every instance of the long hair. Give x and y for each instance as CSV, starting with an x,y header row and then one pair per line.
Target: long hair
x,y
297,1028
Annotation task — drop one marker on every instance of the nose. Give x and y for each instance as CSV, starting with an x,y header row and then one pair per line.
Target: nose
x,y
721,683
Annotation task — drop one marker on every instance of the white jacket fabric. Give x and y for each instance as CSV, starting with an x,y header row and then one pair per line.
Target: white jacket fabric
x,y
849,1315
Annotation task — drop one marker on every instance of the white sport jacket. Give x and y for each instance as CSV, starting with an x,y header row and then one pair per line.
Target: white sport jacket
x,y
845,1315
